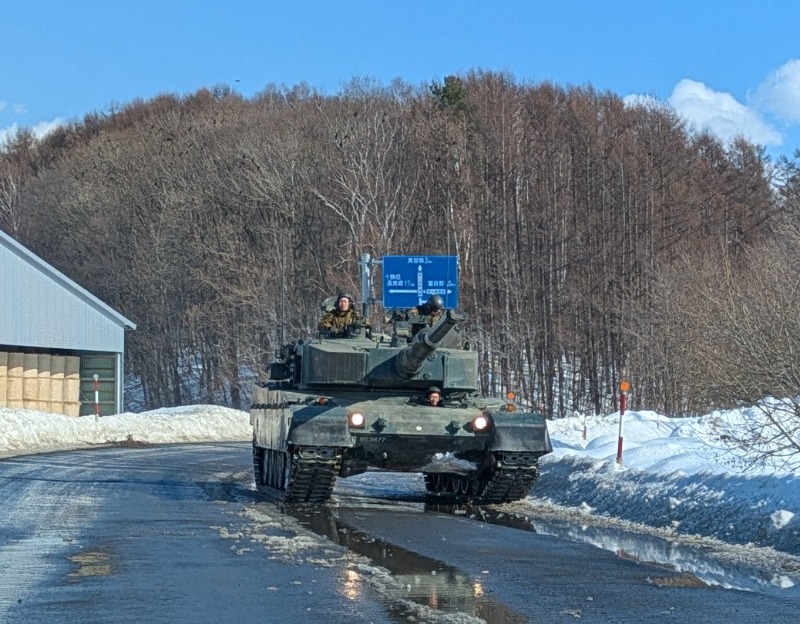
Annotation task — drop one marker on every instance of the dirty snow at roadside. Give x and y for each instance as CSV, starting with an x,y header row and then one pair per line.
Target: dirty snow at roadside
x,y
676,474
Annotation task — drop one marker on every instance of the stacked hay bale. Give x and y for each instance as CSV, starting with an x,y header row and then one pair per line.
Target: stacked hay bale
x,y
3,378
43,382
14,377
72,386
57,367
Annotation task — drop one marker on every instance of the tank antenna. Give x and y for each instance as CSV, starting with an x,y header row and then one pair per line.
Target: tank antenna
x,y
366,282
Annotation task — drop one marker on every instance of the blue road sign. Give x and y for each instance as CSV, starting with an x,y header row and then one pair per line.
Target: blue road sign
x,y
410,280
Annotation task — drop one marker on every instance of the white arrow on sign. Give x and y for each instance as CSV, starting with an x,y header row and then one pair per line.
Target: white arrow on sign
x,y
395,291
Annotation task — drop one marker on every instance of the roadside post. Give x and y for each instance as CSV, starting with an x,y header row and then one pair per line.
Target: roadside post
x,y
96,378
624,387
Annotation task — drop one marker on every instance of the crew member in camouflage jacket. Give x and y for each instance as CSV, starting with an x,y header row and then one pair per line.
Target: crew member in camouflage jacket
x,y
341,317
433,308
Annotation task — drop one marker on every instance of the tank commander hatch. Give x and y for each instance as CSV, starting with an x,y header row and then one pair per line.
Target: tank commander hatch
x,y
341,317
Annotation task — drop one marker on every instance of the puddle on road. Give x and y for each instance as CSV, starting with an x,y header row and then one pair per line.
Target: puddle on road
x,y
729,567
756,570
422,581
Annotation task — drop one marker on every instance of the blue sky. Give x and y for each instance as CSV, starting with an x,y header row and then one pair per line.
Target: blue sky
x,y
732,66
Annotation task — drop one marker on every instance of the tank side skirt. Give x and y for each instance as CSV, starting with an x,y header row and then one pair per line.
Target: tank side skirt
x,y
302,475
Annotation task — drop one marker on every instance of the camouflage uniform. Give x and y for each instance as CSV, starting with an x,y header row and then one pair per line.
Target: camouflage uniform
x,y
337,321
424,309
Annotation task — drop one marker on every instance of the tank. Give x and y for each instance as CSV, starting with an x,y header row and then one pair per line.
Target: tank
x,y
337,406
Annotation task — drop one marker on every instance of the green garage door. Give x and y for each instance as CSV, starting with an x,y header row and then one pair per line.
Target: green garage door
x,y
103,366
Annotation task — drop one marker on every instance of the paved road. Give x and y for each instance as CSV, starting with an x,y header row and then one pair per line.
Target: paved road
x,y
176,534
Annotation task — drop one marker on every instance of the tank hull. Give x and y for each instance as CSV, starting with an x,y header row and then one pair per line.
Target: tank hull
x,y
303,441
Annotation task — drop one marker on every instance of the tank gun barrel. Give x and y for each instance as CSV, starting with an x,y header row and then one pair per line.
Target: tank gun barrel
x,y
411,359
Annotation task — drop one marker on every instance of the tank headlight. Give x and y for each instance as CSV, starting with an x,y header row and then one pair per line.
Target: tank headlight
x,y
480,423
356,420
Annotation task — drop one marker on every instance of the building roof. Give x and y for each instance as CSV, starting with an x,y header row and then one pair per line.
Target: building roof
x,y
62,280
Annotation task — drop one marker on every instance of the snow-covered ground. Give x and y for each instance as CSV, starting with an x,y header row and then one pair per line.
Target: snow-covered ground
x,y
678,476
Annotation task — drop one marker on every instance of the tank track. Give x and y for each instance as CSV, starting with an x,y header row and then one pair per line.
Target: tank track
x,y
510,479
307,473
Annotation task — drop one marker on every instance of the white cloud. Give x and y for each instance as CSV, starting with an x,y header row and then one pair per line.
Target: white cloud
x,y
721,114
40,130
16,109
6,133
46,127
646,101
779,93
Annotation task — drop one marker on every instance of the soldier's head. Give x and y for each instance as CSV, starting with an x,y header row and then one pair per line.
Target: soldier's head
x,y
433,396
435,302
344,302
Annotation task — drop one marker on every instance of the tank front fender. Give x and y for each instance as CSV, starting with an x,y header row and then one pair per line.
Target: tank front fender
x,y
318,426
520,432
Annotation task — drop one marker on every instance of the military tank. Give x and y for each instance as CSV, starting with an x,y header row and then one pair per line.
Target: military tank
x,y
337,405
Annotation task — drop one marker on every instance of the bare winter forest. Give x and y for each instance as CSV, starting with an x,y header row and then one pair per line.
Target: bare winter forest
x,y
596,240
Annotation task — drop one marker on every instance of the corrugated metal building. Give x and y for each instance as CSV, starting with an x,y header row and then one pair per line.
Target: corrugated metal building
x,y
55,337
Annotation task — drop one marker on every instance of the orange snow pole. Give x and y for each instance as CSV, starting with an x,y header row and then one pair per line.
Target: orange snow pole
x,y
624,386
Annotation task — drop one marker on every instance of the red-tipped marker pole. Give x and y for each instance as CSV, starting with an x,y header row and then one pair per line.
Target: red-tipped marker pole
x,y
96,378
624,386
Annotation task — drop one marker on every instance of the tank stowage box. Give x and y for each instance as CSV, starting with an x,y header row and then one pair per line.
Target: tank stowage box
x,y
338,406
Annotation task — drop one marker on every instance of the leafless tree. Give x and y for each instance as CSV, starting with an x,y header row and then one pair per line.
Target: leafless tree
x,y
219,223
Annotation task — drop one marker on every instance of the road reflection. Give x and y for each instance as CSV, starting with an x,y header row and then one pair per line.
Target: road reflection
x,y
730,567
720,567
417,579
726,567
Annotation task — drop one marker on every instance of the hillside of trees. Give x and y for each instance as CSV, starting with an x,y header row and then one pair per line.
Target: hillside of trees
x,y
596,240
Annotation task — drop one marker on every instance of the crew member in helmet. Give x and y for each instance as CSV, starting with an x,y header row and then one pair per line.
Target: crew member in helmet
x,y
342,316
433,308
433,397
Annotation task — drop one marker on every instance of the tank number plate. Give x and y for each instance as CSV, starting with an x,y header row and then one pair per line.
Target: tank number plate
x,y
375,439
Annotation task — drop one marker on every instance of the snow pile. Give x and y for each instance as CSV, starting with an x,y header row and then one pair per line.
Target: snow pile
x,y
29,431
682,475
678,475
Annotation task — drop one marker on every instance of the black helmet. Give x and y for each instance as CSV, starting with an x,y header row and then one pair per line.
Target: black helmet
x,y
431,390
435,302
346,296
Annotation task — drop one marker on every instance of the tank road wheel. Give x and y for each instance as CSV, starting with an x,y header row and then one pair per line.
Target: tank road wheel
x,y
454,487
507,476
